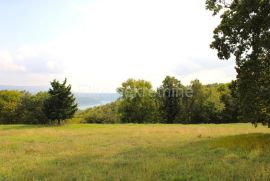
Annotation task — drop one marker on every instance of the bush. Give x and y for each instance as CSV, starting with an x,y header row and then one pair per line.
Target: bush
x,y
106,114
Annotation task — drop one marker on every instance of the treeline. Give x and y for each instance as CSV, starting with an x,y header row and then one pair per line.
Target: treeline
x,y
172,102
52,107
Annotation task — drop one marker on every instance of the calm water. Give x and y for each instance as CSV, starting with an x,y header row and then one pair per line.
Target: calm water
x,y
86,100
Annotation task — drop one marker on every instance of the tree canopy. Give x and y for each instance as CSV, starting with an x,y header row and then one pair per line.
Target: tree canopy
x,y
244,33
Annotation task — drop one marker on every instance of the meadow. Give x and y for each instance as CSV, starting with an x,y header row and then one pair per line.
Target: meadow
x,y
135,152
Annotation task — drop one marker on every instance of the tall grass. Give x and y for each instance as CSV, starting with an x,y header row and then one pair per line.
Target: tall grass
x,y
135,152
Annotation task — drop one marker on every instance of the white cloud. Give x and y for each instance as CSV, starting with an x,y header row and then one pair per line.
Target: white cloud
x,y
7,63
28,66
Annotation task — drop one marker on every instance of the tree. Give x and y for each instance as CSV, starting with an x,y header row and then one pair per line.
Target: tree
x,y
137,102
229,97
171,94
194,105
60,104
204,106
21,107
29,110
213,105
9,101
244,32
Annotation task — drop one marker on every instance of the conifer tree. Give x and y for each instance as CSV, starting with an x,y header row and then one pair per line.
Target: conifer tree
x,y
61,102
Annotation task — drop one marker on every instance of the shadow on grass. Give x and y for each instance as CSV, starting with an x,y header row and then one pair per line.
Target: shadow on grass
x,y
248,142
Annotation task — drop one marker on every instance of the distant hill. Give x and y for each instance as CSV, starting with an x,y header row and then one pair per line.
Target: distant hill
x,y
32,89
84,100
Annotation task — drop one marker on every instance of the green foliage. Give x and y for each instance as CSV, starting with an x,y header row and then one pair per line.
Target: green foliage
x,y
231,102
170,95
217,5
195,104
30,111
215,103
22,108
106,114
171,103
60,104
9,101
244,33
205,106
138,102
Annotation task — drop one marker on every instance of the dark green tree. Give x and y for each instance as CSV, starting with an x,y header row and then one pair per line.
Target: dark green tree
x,y
244,32
60,104
229,97
171,93
29,110
196,111
204,106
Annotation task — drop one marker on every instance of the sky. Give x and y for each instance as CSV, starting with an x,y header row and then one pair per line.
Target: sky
x,y
98,44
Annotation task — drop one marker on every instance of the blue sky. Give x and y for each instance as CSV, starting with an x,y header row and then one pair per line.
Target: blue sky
x,y
98,44
31,21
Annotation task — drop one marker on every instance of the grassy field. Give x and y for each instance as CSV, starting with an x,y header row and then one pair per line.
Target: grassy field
x,y
135,152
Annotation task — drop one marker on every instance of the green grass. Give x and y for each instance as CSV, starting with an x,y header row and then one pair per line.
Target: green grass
x,y
135,152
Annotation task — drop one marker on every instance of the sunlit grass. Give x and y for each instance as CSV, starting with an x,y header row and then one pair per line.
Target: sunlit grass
x,y
135,152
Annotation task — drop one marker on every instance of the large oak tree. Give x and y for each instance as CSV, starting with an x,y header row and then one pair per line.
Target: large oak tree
x,y
244,33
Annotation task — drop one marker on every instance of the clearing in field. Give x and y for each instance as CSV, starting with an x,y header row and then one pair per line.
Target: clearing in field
x,y
135,152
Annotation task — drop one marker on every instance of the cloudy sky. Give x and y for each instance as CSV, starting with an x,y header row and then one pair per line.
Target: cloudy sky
x,y
97,44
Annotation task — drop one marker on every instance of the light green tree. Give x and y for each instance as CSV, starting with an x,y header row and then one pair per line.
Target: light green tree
x,y
137,102
9,101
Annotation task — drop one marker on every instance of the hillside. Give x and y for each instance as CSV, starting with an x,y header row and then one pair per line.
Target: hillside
x,y
135,152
